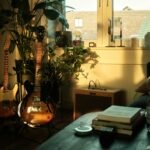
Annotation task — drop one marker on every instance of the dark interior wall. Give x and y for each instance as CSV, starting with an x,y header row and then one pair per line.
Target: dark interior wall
x,y
148,69
5,4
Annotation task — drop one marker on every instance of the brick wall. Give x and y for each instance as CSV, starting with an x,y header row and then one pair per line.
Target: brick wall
x,y
132,22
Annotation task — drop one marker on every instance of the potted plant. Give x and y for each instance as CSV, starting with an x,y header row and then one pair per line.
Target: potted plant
x,y
62,69
22,22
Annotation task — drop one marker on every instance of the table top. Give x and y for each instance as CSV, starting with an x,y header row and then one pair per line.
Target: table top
x,y
106,90
67,140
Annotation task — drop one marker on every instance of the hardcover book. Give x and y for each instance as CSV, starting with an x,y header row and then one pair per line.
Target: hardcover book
x,y
121,114
96,121
118,130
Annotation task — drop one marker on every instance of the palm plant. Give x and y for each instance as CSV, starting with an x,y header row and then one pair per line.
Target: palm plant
x,y
22,22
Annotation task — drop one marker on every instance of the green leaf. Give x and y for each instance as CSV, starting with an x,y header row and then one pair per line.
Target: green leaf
x,y
70,7
5,17
51,14
63,20
12,46
6,12
54,4
60,0
15,33
21,4
41,5
27,18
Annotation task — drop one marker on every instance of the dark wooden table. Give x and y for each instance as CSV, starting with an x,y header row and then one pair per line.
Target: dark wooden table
x,y
67,140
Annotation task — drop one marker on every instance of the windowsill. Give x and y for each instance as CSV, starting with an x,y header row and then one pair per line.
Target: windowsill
x,y
118,48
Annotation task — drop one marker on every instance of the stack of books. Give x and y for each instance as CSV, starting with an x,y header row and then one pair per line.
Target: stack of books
x,y
124,119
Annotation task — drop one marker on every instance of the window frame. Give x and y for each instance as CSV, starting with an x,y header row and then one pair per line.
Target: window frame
x,y
104,15
78,22
104,23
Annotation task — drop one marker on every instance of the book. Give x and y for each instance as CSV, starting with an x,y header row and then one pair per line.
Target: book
x,y
117,130
96,121
121,114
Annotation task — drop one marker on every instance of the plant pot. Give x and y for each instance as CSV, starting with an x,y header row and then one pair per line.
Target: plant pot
x,y
63,38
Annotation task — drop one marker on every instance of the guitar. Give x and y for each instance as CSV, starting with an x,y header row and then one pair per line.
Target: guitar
x,y
8,106
34,111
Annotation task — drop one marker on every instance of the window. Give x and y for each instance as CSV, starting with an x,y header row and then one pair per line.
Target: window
x,y
106,21
78,22
134,18
83,19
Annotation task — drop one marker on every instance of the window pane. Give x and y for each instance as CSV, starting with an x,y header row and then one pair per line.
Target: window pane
x,y
78,22
83,19
134,16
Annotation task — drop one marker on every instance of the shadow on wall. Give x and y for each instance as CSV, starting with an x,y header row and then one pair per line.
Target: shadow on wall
x,y
147,47
147,41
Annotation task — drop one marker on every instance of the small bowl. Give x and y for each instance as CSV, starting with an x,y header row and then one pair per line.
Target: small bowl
x,y
83,130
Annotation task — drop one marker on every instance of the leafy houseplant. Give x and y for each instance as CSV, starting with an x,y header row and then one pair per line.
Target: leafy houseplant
x,y
22,21
60,70
68,64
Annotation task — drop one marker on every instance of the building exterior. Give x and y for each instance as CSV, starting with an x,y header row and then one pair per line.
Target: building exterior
x,y
134,24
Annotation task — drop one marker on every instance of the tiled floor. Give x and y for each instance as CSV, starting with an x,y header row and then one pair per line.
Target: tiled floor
x,y
16,136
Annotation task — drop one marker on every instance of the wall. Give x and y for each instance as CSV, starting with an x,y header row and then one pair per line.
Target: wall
x,y
123,68
119,68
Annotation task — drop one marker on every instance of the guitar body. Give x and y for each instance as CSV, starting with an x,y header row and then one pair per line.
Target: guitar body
x,y
34,111
8,104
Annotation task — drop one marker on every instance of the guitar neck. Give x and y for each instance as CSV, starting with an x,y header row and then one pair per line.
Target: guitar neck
x,y
6,52
39,53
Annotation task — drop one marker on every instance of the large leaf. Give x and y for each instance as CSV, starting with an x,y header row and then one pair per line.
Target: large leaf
x,y
24,15
22,5
55,4
60,0
15,33
41,5
63,20
15,3
31,28
69,7
26,18
5,17
6,12
12,46
3,21
51,14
